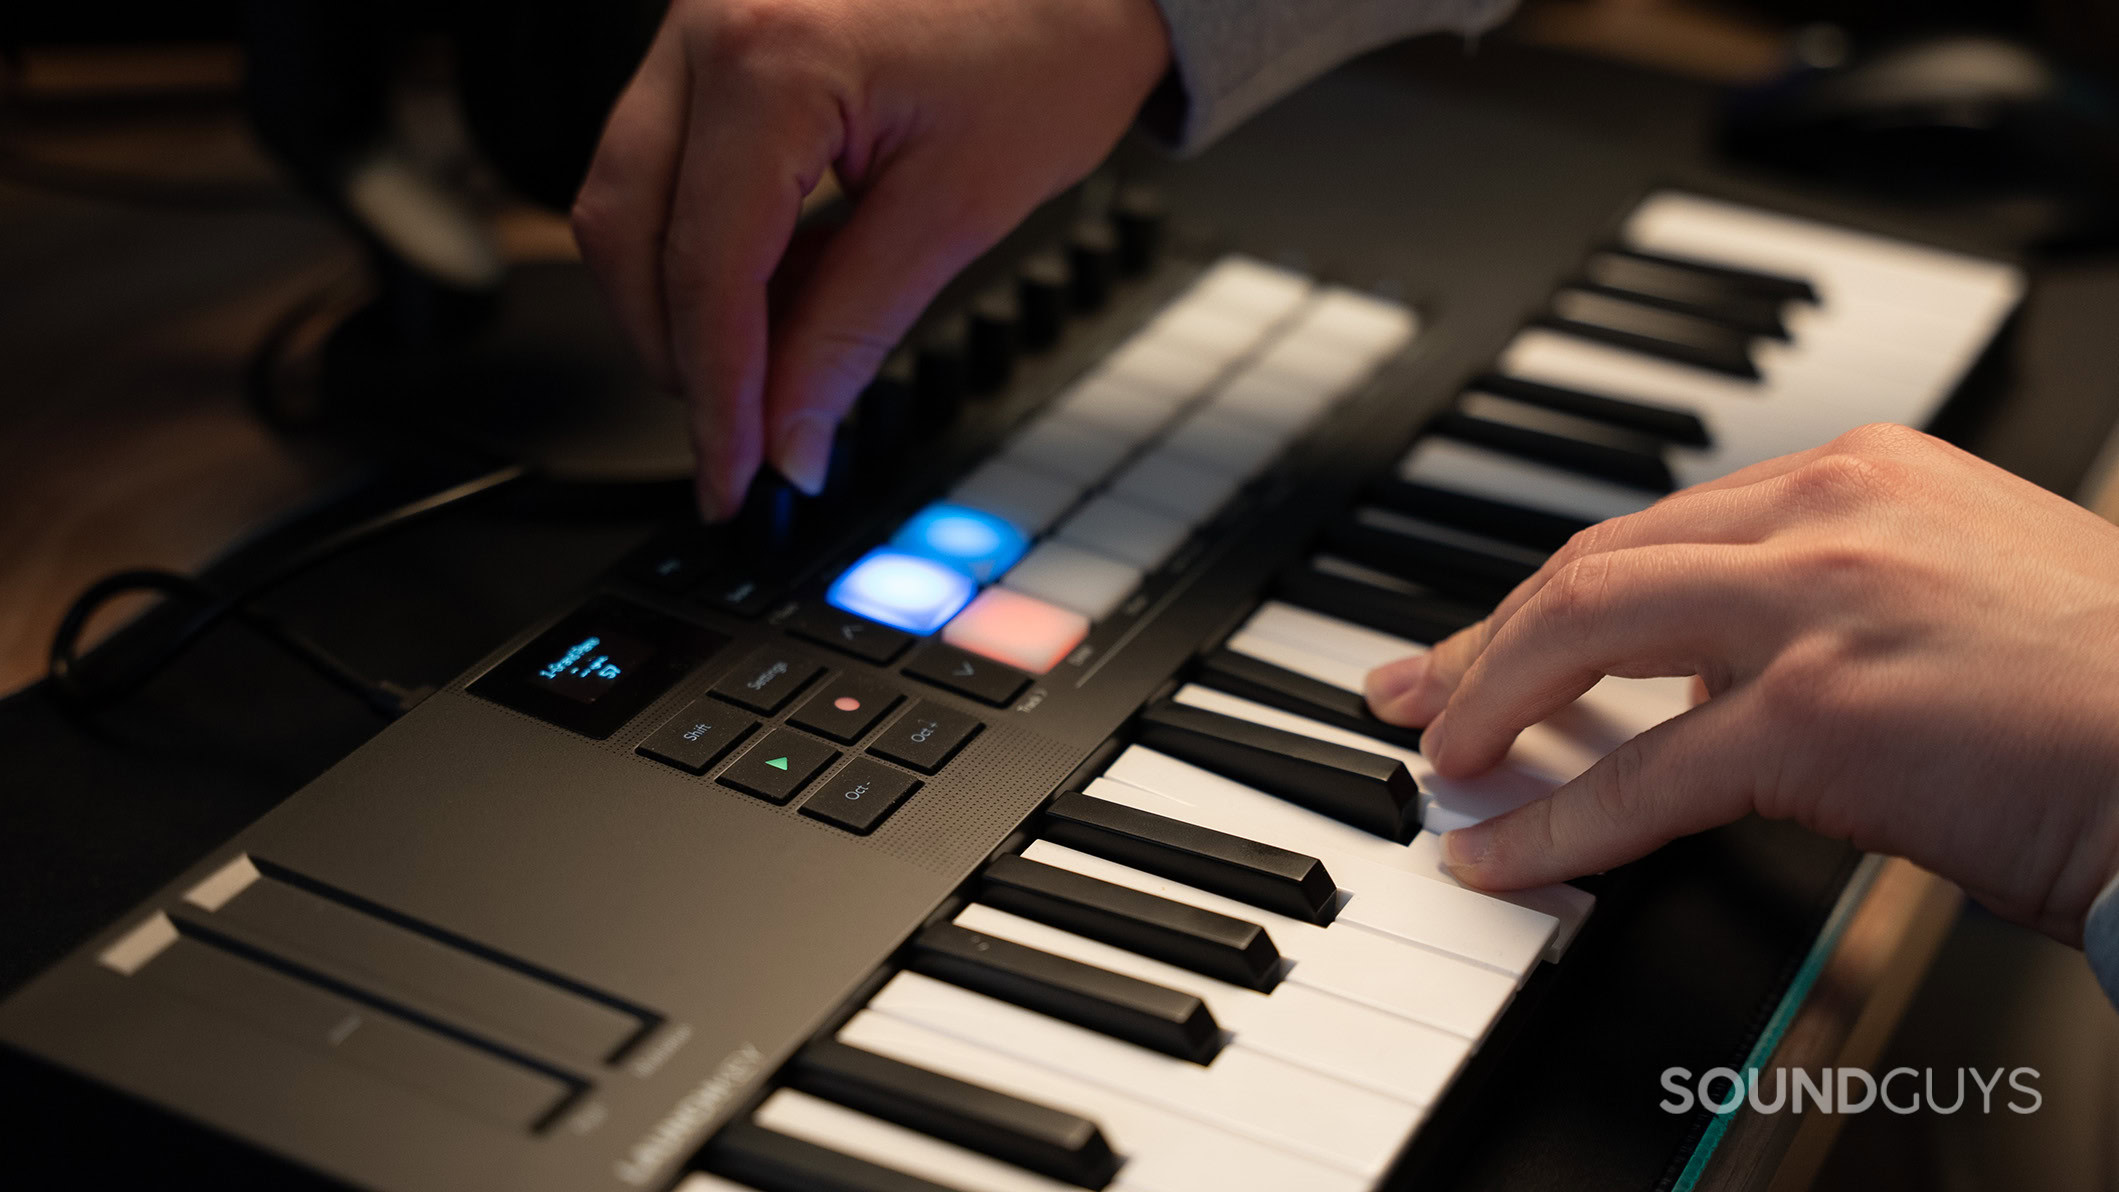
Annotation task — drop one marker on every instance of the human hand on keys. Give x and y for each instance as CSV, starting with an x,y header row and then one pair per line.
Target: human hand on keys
x,y
1901,646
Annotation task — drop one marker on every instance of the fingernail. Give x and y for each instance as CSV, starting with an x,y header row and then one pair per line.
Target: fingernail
x,y
805,450
1466,848
1431,739
1386,683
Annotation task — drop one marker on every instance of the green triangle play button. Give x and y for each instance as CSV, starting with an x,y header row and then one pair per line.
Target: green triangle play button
x,y
778,763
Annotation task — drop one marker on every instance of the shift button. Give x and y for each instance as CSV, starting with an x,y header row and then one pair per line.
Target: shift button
x,y
694,739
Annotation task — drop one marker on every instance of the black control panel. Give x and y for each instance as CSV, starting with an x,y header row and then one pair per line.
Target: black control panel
x,y
599,667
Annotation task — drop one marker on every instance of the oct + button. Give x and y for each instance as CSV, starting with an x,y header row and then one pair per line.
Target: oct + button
x,y
859,797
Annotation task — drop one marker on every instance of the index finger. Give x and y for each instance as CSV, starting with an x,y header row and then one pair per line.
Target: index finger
x,y
752,153
623,208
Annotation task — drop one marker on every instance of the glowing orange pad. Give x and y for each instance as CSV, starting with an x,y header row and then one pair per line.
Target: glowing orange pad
x,y
1020,630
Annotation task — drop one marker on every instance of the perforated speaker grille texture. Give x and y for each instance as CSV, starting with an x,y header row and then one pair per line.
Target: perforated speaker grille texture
x,y
949,825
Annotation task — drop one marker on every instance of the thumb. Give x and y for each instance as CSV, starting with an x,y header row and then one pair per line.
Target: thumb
x,y
1693,772
868,284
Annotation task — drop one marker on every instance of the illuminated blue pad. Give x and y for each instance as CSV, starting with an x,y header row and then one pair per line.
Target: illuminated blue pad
x,y
974,542
908,591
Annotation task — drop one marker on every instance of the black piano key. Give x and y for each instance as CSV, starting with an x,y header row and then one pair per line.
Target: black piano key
x,y
1533,528
1263,682
1745,316
1682,427
1261,875
1433,561
1738,280
1426,620
1154,1016
1687,290
1562,440
1680,339
1372,792
1203,941
770,1161
1052,1142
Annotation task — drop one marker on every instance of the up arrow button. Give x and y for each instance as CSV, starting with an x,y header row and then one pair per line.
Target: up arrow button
x,y
850,634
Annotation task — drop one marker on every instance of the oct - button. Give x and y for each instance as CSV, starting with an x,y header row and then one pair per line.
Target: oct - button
x,y
859,796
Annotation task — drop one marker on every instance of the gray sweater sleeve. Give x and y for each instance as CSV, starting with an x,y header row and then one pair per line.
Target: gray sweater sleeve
x,y
2100,939
1235,57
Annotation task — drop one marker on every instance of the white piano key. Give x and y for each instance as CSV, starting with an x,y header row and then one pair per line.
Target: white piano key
x,y
1067,448
1557,749
1802,403
1377,1051
1123,411
1387,896
1126,531
1074,578
850,1132
1300,659
1163,1151
1173,484
1841,262
1480,472
1283,1104
1565,745
1446,803
1344,640
1030,501
1224,443
1173,368
1145,775
1238,283
1570,906
1376,328
1344,959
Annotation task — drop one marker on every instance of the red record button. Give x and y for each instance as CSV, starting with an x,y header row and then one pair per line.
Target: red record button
x,y
845,708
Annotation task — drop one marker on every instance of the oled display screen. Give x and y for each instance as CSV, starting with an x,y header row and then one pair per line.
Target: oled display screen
x,y
599,667
589,666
